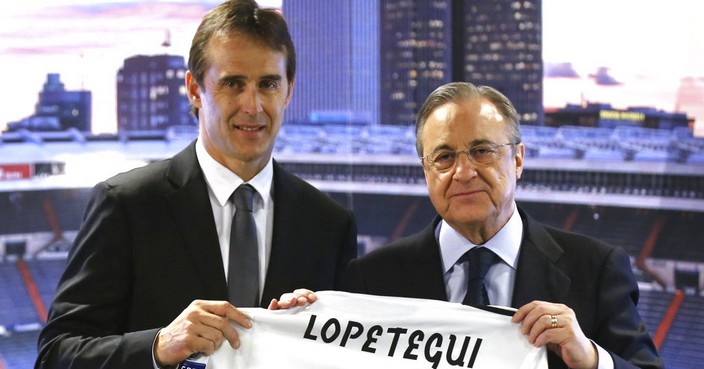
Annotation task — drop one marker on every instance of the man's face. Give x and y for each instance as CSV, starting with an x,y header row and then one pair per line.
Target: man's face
x,y
471,197
241,101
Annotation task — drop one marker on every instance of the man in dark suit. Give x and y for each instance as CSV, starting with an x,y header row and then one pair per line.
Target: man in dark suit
x,y
574,294
145,285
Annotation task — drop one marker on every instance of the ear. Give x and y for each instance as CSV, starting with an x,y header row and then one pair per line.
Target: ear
x,y
193,90
520,154
290,90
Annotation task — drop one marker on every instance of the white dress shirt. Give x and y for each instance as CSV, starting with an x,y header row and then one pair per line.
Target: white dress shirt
x,y
222,182
500,278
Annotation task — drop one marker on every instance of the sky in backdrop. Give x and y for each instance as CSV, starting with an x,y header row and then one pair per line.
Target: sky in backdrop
x,y
646,45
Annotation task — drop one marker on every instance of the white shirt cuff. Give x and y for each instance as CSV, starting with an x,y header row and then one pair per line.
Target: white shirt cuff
x,y
604,360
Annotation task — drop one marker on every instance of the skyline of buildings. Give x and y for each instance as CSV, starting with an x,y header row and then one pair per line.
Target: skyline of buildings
x,y
57,109
151,94
151,99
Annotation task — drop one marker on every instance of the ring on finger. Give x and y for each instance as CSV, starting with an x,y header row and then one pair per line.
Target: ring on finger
x,y
553,321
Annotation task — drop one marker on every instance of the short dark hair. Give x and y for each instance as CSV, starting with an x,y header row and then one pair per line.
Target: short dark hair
x,y
455,91
243,17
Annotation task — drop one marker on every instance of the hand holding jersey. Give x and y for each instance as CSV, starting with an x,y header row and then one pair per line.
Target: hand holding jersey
x,y
201,327
556,327
204,325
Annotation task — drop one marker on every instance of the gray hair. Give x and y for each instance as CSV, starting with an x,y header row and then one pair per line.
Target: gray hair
x,y
455,91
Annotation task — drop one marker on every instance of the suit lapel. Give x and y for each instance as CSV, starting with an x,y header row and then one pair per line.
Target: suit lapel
x,y
190,204
539,276
423,266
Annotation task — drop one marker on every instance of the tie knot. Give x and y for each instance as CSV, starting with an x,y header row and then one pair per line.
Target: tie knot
x,y
480,260
244,197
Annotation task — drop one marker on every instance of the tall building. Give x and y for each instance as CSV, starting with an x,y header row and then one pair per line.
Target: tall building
x,y
425,44
58,109
337,66
387,56
416,55
499,43
151,94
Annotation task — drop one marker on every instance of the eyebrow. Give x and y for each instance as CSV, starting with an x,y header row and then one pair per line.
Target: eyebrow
x,y
475,142
239,78
230,78
441,148
480,141
236,77
270,77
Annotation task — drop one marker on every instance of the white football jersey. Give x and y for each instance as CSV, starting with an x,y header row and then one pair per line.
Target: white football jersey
x,y
345,330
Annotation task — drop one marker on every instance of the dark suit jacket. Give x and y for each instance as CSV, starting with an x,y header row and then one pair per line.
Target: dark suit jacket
x,y
148,247
592,278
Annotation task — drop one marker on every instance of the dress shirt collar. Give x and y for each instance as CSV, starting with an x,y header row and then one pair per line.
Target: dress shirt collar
x,y
223,182
505,244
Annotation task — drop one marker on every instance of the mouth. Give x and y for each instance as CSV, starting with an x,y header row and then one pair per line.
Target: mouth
x,y
465,193
249,128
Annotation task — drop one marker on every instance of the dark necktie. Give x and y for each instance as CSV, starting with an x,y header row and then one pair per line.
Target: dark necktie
x,y
480,260
243,269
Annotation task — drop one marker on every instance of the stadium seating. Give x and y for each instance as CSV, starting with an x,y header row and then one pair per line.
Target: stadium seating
x,y
682,349
623,227
16,308
18,350
26,211
652,306
46,274
386,217
682,238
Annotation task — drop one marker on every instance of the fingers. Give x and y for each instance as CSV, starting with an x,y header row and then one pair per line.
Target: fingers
x,y
539,320
234,314
548,329
215,318
299,297
200,328
538,315
304,297
556,326
273,305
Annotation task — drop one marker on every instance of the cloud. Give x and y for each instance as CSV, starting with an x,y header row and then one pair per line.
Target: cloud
x,y
74,29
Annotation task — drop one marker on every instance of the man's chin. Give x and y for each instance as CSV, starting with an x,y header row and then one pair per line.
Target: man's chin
x,y
465,221
254,155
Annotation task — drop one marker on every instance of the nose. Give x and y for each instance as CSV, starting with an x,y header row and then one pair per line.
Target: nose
x,y
464,168
251,101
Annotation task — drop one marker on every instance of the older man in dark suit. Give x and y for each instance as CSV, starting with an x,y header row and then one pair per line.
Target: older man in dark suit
x,y
149,280
574,294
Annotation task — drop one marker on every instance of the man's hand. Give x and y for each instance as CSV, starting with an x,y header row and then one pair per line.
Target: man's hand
x,y
556,326
299,297
200,328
